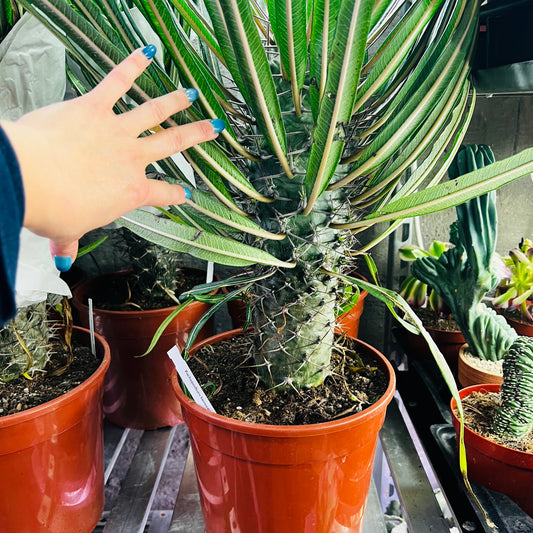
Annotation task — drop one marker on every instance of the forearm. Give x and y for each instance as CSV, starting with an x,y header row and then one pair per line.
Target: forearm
x,y
11,219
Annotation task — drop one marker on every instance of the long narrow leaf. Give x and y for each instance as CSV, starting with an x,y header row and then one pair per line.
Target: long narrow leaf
x,y
455,192
335,110
201,244
289,22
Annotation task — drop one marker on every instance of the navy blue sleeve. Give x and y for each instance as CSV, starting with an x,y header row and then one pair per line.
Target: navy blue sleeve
x,y
11,218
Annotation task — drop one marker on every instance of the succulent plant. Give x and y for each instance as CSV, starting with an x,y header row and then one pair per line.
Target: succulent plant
x,y
516,286
514,418
417,293
463,275
326,105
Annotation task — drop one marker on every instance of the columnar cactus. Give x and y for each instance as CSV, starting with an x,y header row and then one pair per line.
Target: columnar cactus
x,y
515,416
462,275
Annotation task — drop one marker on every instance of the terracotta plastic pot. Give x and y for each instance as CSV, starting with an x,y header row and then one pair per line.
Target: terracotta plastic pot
x,y
52,460
349,322
494,466
138,393
257,478
448,341
470,375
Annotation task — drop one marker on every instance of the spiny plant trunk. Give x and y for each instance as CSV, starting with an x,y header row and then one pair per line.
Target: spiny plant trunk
x,y
295,309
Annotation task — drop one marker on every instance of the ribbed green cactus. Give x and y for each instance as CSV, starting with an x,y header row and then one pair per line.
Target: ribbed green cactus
x,y
515,416
462,275
25,342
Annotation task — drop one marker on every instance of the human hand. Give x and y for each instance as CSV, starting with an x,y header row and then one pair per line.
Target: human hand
x,y
83,166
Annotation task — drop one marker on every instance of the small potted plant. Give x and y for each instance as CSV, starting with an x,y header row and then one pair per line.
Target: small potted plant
x,y
431,308
321,124
514,292
51,435
128,308
464,274
498,424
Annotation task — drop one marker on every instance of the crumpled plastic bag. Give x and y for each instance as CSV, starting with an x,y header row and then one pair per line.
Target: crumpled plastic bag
x,y
32,75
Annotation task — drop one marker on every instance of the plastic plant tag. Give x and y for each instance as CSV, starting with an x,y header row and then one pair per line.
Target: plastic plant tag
x,y
189,380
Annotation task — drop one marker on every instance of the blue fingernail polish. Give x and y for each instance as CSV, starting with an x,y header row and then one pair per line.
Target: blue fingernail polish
x,y
188,193
63,263
149,51
218,124
191,94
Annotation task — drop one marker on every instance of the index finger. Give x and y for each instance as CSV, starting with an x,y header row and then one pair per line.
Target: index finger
x,y
120,80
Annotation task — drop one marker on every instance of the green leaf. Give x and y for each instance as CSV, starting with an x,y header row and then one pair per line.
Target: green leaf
x,y
347,53
254,72
458,191
289,21
197,243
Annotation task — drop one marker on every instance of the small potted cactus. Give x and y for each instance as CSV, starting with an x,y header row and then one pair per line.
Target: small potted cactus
x,y
514,293
128,308
498,432
431,308
464,274
52,450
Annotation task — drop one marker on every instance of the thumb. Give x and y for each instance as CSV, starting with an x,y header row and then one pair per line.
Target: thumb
x,y
64,254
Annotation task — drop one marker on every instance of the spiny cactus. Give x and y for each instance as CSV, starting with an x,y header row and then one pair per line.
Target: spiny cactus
x,y
514,418
156,270
25,342
463,275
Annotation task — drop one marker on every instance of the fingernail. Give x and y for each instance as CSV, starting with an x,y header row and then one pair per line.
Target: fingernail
x,y
149,51
218,124
191,94
188,193
63,263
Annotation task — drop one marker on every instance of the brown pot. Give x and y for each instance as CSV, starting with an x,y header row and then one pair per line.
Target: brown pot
x,y
138,393
493,465
284,479
448,341
522,328
470,375
52,461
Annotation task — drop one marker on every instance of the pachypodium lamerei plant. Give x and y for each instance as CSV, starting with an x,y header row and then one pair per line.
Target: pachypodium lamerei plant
x,y
516,286
326,105
464,274
417,293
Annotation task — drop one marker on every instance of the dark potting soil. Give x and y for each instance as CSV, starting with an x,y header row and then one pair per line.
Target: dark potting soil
x,y
23,393
480,410
226,371
430,319
122,294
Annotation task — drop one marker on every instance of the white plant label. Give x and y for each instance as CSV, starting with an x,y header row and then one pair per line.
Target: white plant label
x,y
188,379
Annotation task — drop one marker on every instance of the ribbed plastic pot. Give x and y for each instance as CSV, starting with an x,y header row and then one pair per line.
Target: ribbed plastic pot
x,y
349,322
256,478
138,393
52,459
468,375
493,465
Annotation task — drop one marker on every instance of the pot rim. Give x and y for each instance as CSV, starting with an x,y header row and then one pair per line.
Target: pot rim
x,y
285,430
476,437
67,397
